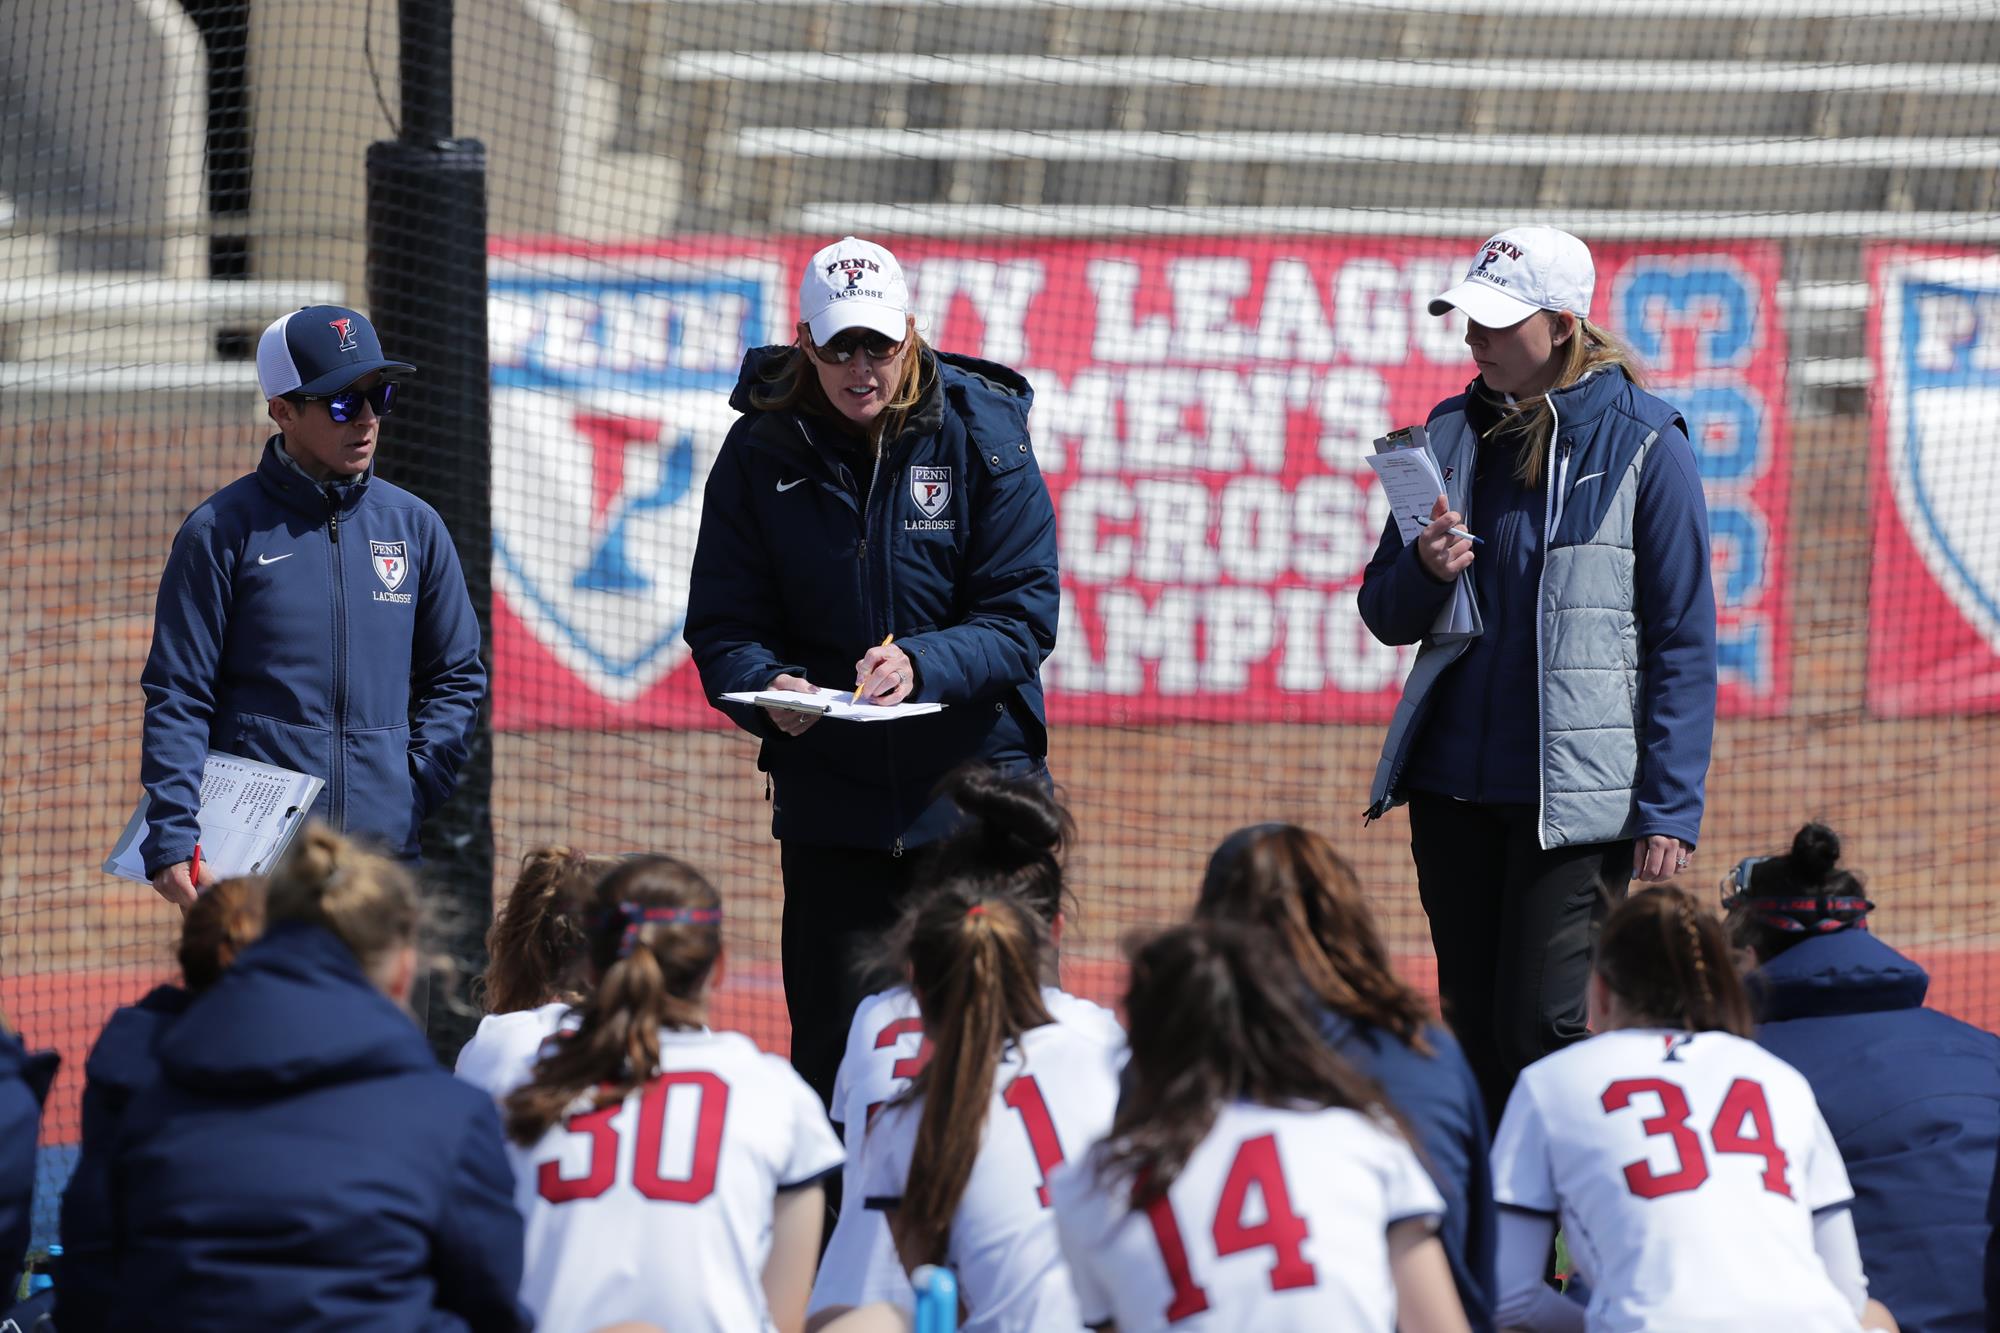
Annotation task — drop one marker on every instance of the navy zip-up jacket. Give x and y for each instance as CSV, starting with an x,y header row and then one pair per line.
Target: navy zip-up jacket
x,y
24,1085
326,630
1913,1099
1440,1099
1480,738
809,555
303,1164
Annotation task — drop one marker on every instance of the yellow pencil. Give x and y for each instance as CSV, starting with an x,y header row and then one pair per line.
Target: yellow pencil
x,y
886,641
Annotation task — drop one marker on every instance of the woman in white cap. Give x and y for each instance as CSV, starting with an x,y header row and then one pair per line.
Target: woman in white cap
x,y
875,522
1558,749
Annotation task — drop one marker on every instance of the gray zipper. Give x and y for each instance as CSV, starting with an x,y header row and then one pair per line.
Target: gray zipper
x,y
1551,515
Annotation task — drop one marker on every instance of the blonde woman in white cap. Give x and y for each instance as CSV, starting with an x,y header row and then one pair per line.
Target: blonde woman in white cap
x,y
874,523
1563,743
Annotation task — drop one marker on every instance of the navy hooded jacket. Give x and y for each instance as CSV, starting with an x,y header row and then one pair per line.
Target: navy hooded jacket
x,y
122,1063
321,629
24,1085
1913,1099
304,1164
1440,1099
809,555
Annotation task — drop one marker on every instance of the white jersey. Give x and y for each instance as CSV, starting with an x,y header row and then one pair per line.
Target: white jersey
x,y
502,1053
1686,1170
885,1049
1279,1222
658,1209
1053,1097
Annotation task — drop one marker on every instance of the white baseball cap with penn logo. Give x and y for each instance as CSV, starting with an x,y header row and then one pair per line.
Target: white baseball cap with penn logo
x,y
1520,271
854,284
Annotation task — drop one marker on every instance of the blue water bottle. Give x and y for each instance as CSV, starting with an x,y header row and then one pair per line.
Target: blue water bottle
x,y
937,1299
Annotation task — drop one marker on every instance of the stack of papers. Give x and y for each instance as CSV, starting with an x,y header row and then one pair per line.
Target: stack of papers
x,y
831,703
1412,481
249,814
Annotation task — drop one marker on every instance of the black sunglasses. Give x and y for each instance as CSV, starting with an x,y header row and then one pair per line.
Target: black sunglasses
x,y
840,349
344,406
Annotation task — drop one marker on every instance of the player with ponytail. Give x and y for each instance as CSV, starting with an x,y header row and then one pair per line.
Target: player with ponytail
x,y
1011,838
1250,1180
960,1162
669,1174
539,968
1695,1180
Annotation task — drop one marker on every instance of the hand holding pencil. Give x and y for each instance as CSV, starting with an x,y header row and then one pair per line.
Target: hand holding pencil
x,y
884,675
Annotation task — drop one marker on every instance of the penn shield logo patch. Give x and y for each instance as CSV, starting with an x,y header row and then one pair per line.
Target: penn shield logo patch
x,y
930,489
392,564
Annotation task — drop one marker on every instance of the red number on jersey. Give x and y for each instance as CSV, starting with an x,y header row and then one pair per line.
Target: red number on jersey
x,y
910,1065
1282,1229
697,1185
1745,1100
1025,1096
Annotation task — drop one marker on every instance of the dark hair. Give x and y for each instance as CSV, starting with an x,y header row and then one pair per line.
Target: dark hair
x,y
1214,1019
1291,882
224,921
538,943
1792,898
1665,956
655,931
1011,837
975,963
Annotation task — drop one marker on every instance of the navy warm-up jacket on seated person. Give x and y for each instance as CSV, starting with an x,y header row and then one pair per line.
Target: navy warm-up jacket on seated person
x,y
24,1083
809,555
122,1063
1913,1099
303,1164
1440,1099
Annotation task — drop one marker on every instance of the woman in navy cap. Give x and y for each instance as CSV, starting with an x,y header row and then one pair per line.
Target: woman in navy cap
x,y
875,523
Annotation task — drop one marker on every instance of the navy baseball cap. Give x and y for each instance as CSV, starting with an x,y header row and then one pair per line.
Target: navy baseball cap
x,y
319,349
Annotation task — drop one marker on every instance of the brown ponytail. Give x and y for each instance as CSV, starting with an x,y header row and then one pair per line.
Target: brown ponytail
x,y
224,921
654,933
975,963
365,899
538,942
1291,882
1665,956
1215,1019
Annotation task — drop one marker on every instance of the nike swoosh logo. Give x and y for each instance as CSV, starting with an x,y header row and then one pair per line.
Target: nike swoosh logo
x,y
784,486
1580,480
274,559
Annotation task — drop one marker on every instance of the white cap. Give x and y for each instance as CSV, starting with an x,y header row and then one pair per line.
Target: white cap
x,y
854,284
1520,271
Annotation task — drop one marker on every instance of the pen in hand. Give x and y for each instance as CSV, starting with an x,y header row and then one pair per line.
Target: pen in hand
x,y
194,870
887,639
1460,533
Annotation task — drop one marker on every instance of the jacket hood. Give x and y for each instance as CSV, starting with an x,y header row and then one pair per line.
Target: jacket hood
x,y
124,1056
1848,972
295,1011
35,1068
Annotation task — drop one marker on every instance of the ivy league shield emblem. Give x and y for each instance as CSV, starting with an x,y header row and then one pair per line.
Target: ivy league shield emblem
x,y
930,489
391,565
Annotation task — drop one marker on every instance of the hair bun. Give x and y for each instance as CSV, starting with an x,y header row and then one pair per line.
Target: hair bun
x,y
1815,852
1010,817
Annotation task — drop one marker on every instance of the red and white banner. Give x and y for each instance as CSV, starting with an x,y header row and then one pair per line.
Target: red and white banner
x,y
1203,411
1934,596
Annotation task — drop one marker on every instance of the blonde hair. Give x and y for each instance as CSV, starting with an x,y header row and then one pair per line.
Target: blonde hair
x,y
364,898
538,944
1590,349
791,383
224,921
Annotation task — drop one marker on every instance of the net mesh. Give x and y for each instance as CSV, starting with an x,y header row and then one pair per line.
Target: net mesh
x,y
1204,229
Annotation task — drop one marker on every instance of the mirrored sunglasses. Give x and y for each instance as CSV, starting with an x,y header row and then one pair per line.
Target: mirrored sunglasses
x,y
344,406
840,349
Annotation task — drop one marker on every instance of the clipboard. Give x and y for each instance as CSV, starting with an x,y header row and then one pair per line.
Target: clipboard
x,y
250,812
831,703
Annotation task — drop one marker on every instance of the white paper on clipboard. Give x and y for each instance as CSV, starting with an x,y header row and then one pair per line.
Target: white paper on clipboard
x,y
250,812
1412,482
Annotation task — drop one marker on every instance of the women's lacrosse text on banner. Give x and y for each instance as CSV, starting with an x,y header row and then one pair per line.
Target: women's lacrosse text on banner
x,y
1934,595
1203,412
